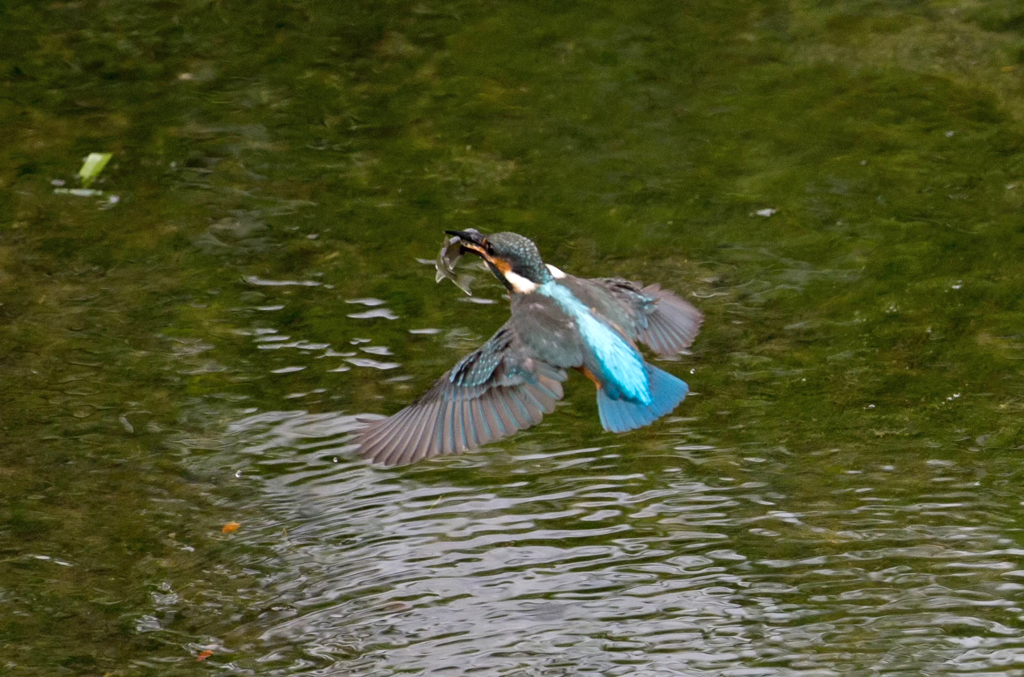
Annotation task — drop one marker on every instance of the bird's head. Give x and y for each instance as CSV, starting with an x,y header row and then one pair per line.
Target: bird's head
x,y
512,258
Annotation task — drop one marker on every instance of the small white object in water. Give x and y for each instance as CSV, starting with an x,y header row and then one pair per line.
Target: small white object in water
x,y
766,212
371,302
375,313
78,192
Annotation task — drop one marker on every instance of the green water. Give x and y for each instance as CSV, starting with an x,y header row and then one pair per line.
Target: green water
x,y
841,494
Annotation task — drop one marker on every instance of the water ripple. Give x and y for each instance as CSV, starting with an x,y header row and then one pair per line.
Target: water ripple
x,y
614,561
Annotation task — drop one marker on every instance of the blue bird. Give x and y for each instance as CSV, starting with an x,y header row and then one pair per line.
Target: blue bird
x,y
558,322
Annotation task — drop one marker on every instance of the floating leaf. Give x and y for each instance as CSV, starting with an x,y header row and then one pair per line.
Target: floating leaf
x,y
203,655
92,167
230,527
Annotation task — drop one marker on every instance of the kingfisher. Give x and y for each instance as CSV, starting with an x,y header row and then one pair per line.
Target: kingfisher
x,y
558,322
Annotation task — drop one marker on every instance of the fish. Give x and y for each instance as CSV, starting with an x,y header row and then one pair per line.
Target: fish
x,y
448,258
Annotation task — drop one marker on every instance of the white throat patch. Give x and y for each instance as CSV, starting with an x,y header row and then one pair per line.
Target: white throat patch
x,y
520,284
555,272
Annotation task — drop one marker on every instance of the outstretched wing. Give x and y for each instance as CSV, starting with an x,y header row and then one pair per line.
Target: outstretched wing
x,y
493,392
651,315
666,323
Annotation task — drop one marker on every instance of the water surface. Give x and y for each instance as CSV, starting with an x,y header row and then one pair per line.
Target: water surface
x,y
838,186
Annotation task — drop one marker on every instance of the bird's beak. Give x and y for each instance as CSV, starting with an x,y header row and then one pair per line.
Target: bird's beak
x,y
471,241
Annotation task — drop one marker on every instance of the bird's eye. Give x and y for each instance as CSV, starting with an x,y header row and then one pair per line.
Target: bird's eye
x,y
489,248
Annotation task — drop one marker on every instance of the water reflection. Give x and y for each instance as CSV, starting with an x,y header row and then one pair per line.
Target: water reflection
x,y
382,313
540,558
372,364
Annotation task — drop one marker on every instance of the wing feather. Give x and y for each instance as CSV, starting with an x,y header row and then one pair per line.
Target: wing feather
x,y
426,434
654,316
493,392
494,426
447,429
518,408
466,436
421,431
501,412
409,439
673,323
535,401
400,428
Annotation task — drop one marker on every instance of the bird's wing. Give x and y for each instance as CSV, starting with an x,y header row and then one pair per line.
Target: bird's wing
x,y
495,391
651,315
671,323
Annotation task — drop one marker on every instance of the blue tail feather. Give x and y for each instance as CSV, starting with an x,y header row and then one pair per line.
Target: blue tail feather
x,y
618,416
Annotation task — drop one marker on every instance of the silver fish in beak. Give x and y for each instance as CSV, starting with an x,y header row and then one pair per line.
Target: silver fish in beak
x,y
448,258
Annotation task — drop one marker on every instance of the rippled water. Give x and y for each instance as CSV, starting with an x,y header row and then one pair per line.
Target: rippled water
x,y
838,186
680,559
665,552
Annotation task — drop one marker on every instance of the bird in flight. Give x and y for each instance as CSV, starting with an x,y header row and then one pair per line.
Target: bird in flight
x,y
558,322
